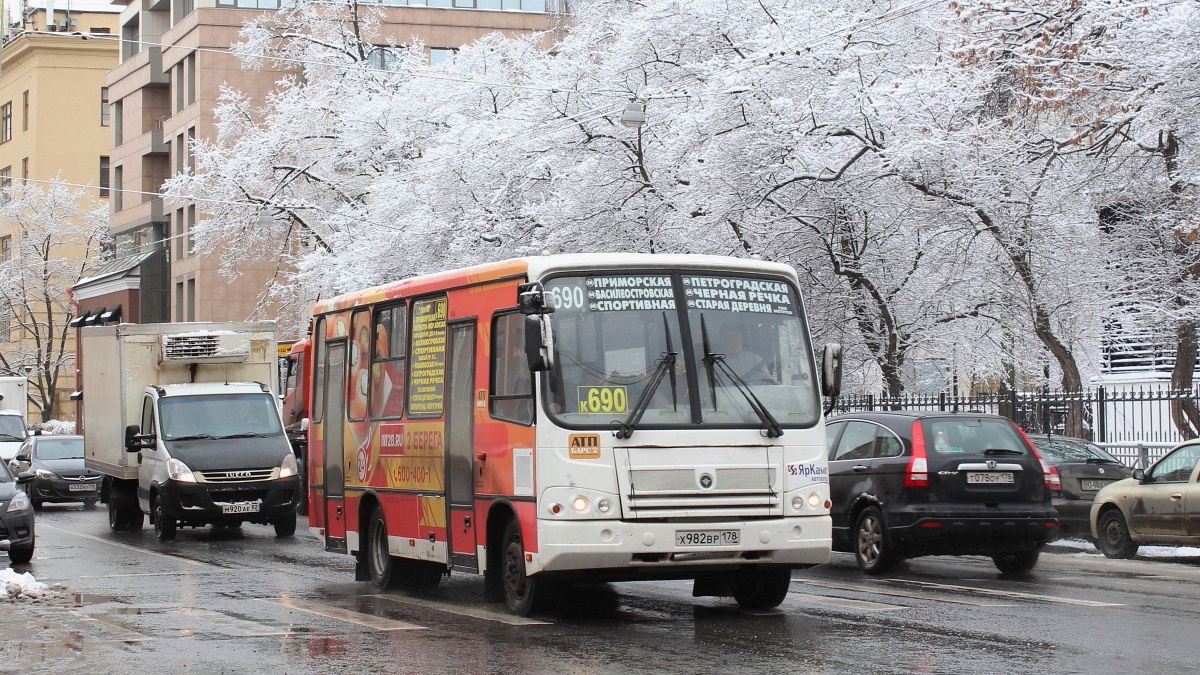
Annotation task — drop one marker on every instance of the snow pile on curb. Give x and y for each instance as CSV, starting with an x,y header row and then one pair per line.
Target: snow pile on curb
x,y
17,587
55,427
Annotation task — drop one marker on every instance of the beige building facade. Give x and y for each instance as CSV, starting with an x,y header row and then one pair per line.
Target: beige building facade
x,y
54,122
174,60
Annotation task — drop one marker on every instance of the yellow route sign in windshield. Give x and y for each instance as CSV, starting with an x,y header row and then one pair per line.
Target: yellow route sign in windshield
x,y
602,400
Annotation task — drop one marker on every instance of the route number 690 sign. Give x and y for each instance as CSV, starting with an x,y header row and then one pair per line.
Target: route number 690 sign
x,y
601,400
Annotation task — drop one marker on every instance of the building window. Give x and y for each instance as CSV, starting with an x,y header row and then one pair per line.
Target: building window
x,y
179,154
190,62
518,5
6,122
104,177
25,110
384,57
191,300
118,199
5,248
249,4
118,126
178,77
104,118
441,55
24,170
191,229
191,144
179,301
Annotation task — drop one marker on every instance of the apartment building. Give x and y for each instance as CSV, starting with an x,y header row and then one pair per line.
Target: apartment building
x,y
174,61
54,119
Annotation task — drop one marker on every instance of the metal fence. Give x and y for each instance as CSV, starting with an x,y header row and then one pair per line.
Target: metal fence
x,y
1134,424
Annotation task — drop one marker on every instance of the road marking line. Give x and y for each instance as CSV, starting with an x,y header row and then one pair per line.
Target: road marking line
x,y
132,548
902,594
845,603
1009,594
241,627
368,620
485,614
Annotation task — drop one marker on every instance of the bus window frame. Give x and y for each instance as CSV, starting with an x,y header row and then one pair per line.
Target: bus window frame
x,y
443,295
319,375
495,357
378,309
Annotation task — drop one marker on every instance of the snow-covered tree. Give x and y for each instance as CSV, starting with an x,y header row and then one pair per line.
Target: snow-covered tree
x,y
57,234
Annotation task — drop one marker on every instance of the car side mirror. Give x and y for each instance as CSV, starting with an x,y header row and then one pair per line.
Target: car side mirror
x,y
22,458
24,478
1140,475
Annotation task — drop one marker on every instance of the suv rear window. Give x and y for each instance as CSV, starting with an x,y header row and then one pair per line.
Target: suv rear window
x,y
972,437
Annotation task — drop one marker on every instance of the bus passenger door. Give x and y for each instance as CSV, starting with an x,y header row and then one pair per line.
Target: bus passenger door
x,y
460,447
335,416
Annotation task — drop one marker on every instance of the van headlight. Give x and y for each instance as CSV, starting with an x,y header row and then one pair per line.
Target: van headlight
x,y
177,470
19,503
288,468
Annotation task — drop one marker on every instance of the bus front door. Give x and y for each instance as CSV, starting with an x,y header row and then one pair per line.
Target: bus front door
x,y
460,447
335,415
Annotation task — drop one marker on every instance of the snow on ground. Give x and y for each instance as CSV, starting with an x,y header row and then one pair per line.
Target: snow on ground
x,y
1143,551
16,587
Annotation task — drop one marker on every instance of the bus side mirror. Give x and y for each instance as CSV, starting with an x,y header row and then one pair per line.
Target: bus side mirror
x,y
532,299
831,370
539,343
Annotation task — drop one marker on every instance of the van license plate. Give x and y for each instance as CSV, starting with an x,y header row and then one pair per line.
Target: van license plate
x,y
708,537
989,477
82,487
244,507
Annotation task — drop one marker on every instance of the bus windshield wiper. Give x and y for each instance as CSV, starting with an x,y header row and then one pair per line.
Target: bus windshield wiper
x,y
715,363
665,364
248,434
191,437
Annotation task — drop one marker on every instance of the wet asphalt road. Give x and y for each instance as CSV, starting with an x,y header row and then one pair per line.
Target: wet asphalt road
x,y
241,601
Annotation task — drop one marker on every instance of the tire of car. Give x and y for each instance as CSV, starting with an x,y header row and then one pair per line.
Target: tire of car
x,y
285,526
523,594
1016,563
37,503
21,555
1113,536
164,521
759,587
872,549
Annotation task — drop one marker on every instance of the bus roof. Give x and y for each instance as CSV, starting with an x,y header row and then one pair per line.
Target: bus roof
x,y
538,267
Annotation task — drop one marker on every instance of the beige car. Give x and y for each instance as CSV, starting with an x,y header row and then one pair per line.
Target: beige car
x,y
1160,505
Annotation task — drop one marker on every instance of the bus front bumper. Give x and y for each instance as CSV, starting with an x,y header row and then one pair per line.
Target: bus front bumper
x,y
654,548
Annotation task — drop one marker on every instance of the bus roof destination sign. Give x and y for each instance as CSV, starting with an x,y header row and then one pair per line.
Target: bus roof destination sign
x,y
737,294
608,294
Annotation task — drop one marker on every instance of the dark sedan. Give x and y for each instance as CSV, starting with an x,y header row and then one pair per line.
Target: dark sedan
x,y
16,519
1083,468
59,475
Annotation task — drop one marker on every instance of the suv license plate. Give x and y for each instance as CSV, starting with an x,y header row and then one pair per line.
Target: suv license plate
x,y
708,537
1092,485
82,487
243,507
989,477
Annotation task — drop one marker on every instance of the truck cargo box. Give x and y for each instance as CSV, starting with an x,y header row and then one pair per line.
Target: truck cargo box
x,y
119,362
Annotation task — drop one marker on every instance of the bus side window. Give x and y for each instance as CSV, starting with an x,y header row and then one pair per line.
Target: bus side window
x,y
387,363
511,386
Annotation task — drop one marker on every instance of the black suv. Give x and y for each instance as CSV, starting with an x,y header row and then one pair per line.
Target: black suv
x,y
907,484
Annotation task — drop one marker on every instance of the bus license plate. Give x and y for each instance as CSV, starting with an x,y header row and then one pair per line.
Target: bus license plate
x,y
708,537
989,477
243,507
82,487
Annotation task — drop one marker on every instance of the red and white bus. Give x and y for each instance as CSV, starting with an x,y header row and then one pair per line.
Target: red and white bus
x,y
595,416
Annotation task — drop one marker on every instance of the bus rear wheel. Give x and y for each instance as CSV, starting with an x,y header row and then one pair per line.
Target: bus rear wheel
x,y
382,567
522,593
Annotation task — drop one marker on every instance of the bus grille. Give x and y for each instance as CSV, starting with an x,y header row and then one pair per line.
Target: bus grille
x,y
733,492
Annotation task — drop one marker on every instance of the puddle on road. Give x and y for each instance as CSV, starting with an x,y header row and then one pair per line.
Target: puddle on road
x,y
93,598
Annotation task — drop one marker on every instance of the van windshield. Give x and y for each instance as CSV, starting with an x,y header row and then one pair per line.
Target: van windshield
x,y
11,427
218,416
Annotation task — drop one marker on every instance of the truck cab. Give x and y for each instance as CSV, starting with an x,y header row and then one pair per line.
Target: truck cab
x,y
213,454
12,433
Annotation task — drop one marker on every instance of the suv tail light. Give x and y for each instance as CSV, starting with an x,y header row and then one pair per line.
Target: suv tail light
x,y
1049,472
917,473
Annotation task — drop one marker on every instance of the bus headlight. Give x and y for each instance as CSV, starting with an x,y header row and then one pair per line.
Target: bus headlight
x,y
575,503
814,500
580,504
603,506
797,503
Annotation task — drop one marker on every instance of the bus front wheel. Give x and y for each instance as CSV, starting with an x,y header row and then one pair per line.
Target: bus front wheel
x,y
760,587
522,593
380,564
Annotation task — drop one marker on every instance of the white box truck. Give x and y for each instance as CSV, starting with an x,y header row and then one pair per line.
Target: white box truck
x,y
14,416
182,421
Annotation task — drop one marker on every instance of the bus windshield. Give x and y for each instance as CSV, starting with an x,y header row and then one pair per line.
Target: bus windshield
x,y
219,416
696,348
